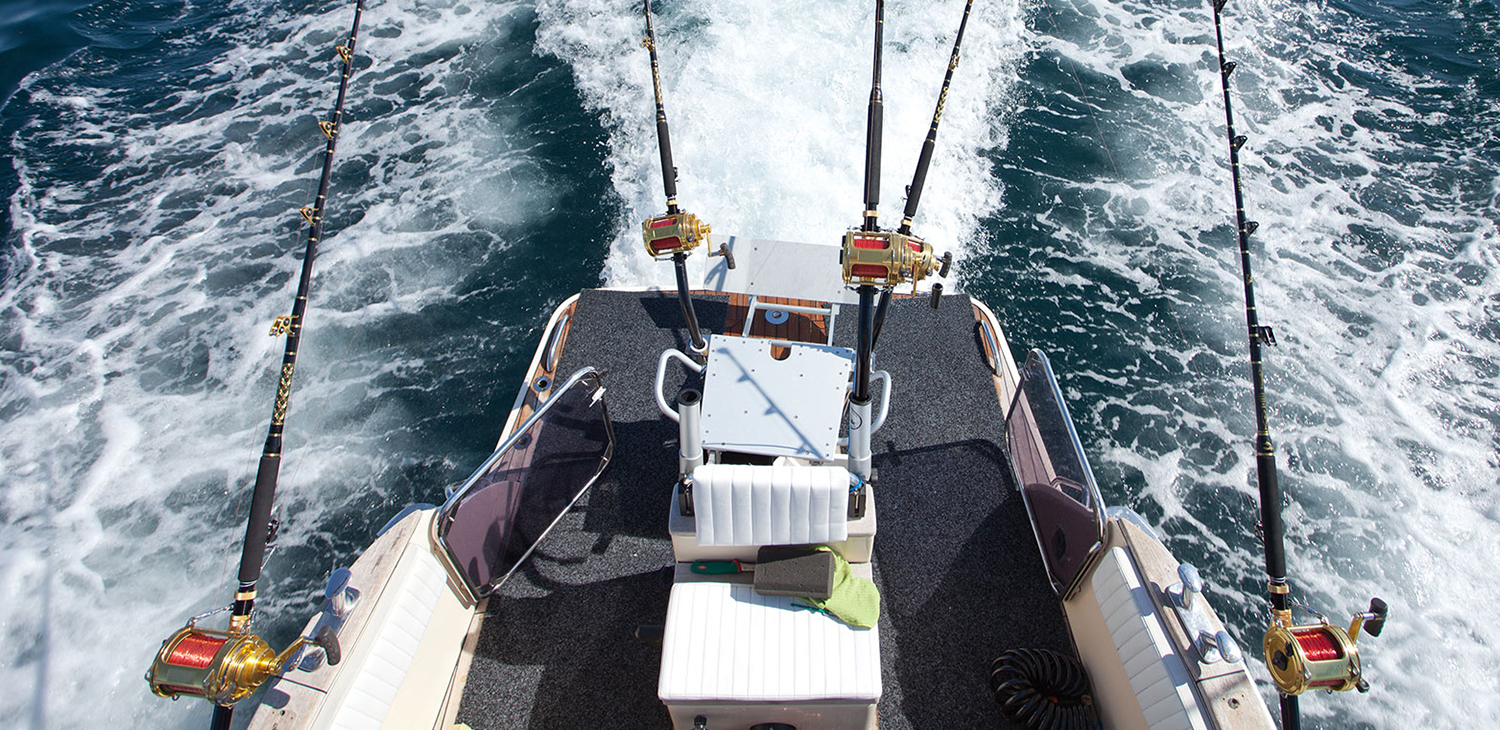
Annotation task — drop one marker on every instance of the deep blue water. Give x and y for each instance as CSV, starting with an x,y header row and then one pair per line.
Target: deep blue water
x,y
498,157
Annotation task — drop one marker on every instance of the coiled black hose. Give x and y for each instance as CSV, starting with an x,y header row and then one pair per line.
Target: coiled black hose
x,y
1043,690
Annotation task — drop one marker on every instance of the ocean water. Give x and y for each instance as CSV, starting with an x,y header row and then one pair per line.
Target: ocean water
x,y
498,157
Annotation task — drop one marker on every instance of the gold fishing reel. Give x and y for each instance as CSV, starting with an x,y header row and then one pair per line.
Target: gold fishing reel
x,y
888,258
224,667
1321,655
666,235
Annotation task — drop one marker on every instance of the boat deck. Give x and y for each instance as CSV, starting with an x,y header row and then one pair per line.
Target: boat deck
x,y
955,559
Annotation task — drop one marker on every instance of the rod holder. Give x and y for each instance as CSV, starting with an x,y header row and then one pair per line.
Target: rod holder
x,y
859,439
689,432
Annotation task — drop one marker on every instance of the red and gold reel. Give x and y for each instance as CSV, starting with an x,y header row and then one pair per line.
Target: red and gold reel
x,y
1317,656
1321,655
666,235
887,258
218,666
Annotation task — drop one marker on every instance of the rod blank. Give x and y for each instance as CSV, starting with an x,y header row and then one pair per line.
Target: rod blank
x,y
263,499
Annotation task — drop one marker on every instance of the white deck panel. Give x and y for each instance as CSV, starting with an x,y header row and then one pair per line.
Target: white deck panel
x,y
780,269
755,404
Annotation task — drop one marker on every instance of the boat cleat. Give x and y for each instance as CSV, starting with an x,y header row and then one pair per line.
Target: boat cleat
x,y
339,599
1192,612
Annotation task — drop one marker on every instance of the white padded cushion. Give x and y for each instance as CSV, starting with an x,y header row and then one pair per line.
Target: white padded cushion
x,y
394,644
742,504
1156,671
724,641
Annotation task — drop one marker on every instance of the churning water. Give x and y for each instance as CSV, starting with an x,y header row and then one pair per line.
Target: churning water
x,y
498,157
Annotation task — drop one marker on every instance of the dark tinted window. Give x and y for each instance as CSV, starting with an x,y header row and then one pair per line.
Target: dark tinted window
x,y
496,519
1053,473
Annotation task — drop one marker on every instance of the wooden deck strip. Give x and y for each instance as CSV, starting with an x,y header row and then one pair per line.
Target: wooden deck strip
x,y
797,328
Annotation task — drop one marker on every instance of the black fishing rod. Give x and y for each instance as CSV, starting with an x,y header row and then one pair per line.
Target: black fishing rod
x,y
872,258
924,161
225,667
677,233
663,135
919,178
1314,656
256,531
1265,450
874,129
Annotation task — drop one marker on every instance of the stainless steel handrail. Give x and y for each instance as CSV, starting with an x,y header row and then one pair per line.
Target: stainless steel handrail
x,y
989,339
549,358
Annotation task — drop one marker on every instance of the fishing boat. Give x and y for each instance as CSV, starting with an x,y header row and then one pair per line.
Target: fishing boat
x,y
782,495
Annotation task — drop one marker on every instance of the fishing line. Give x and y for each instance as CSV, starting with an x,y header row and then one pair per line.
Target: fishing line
x,y
1087,102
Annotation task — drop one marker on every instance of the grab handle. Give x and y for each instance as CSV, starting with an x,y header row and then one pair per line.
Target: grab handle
x,y
661,375
885,399
885,404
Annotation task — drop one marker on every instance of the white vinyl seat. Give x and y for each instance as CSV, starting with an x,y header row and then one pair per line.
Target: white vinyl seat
x,y
739,507
741,504
741,658
1158,676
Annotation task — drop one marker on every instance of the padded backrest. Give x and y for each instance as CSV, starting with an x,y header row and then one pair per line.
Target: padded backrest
x,y
743,504
1155,669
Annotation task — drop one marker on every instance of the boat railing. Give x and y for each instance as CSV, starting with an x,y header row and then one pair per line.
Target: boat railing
x,y
492,522
1057,485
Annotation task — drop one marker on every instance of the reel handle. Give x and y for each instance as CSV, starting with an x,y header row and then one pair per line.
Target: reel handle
x,y
328,640
1378,611
723,250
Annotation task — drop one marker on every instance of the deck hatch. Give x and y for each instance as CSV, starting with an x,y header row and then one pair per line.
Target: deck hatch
x,y
756,404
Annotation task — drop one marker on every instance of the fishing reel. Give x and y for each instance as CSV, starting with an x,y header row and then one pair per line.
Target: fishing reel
x,y
1321,655
674,233
888,258
224,667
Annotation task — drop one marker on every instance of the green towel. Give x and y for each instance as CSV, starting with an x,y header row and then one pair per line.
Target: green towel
x,y
855,600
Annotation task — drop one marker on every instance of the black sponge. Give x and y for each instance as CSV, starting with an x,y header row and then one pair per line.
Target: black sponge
x,y
794,570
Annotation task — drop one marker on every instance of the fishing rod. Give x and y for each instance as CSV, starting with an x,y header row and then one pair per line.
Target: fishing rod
x,y
873,260
874,130
224,667
869,259
919,178
677,233
1300,657
924,161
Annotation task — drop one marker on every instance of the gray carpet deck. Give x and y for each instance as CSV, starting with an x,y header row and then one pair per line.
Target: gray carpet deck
x,y
955,559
